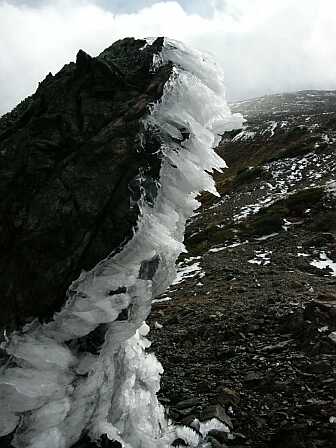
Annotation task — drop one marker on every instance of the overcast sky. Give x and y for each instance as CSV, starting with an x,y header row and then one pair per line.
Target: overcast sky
x,y
265,46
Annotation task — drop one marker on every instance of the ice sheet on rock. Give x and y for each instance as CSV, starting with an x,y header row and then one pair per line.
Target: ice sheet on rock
x,y
54,390
41,352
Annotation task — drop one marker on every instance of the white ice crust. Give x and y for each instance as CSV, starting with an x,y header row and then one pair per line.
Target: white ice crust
x,y
50,392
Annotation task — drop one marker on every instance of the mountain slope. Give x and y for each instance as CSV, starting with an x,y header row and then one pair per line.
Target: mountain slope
x,y
249,322
100,169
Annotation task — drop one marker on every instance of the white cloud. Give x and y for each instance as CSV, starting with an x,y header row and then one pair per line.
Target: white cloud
x,y
264,45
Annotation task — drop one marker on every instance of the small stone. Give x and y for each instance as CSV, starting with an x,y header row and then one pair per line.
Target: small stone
x,y
214,443
292,322
327,296
203,387
288,438
107,443
224,353
239,436
279,386
320,367
187,403
191,421
216,411
220,436
185,411
228,396
332,337
195,424
253,378
179,442
276,348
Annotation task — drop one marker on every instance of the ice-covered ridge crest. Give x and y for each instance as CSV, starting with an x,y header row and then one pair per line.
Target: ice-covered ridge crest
x,y
52,392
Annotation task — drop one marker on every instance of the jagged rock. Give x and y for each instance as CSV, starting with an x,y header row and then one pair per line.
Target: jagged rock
x,y
293,322
327,296
103,443
179,442
321,310
214,443
220,436
227,396
253,378
187,403
319,240
291,438
218,412
72,166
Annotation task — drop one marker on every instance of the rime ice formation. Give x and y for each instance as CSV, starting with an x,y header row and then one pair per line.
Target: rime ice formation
x,y
52,393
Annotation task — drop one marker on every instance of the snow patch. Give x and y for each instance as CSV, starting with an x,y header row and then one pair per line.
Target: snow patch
x,y
261,258
227,246
243,136
164,299
188,271
324,263
266,237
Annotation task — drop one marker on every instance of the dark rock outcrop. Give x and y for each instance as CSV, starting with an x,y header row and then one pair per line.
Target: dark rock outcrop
x,y
73,159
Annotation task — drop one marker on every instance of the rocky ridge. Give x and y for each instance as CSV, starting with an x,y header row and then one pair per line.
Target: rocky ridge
x,y
91,237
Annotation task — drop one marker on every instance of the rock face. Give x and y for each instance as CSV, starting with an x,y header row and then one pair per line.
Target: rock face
x,y
71,171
